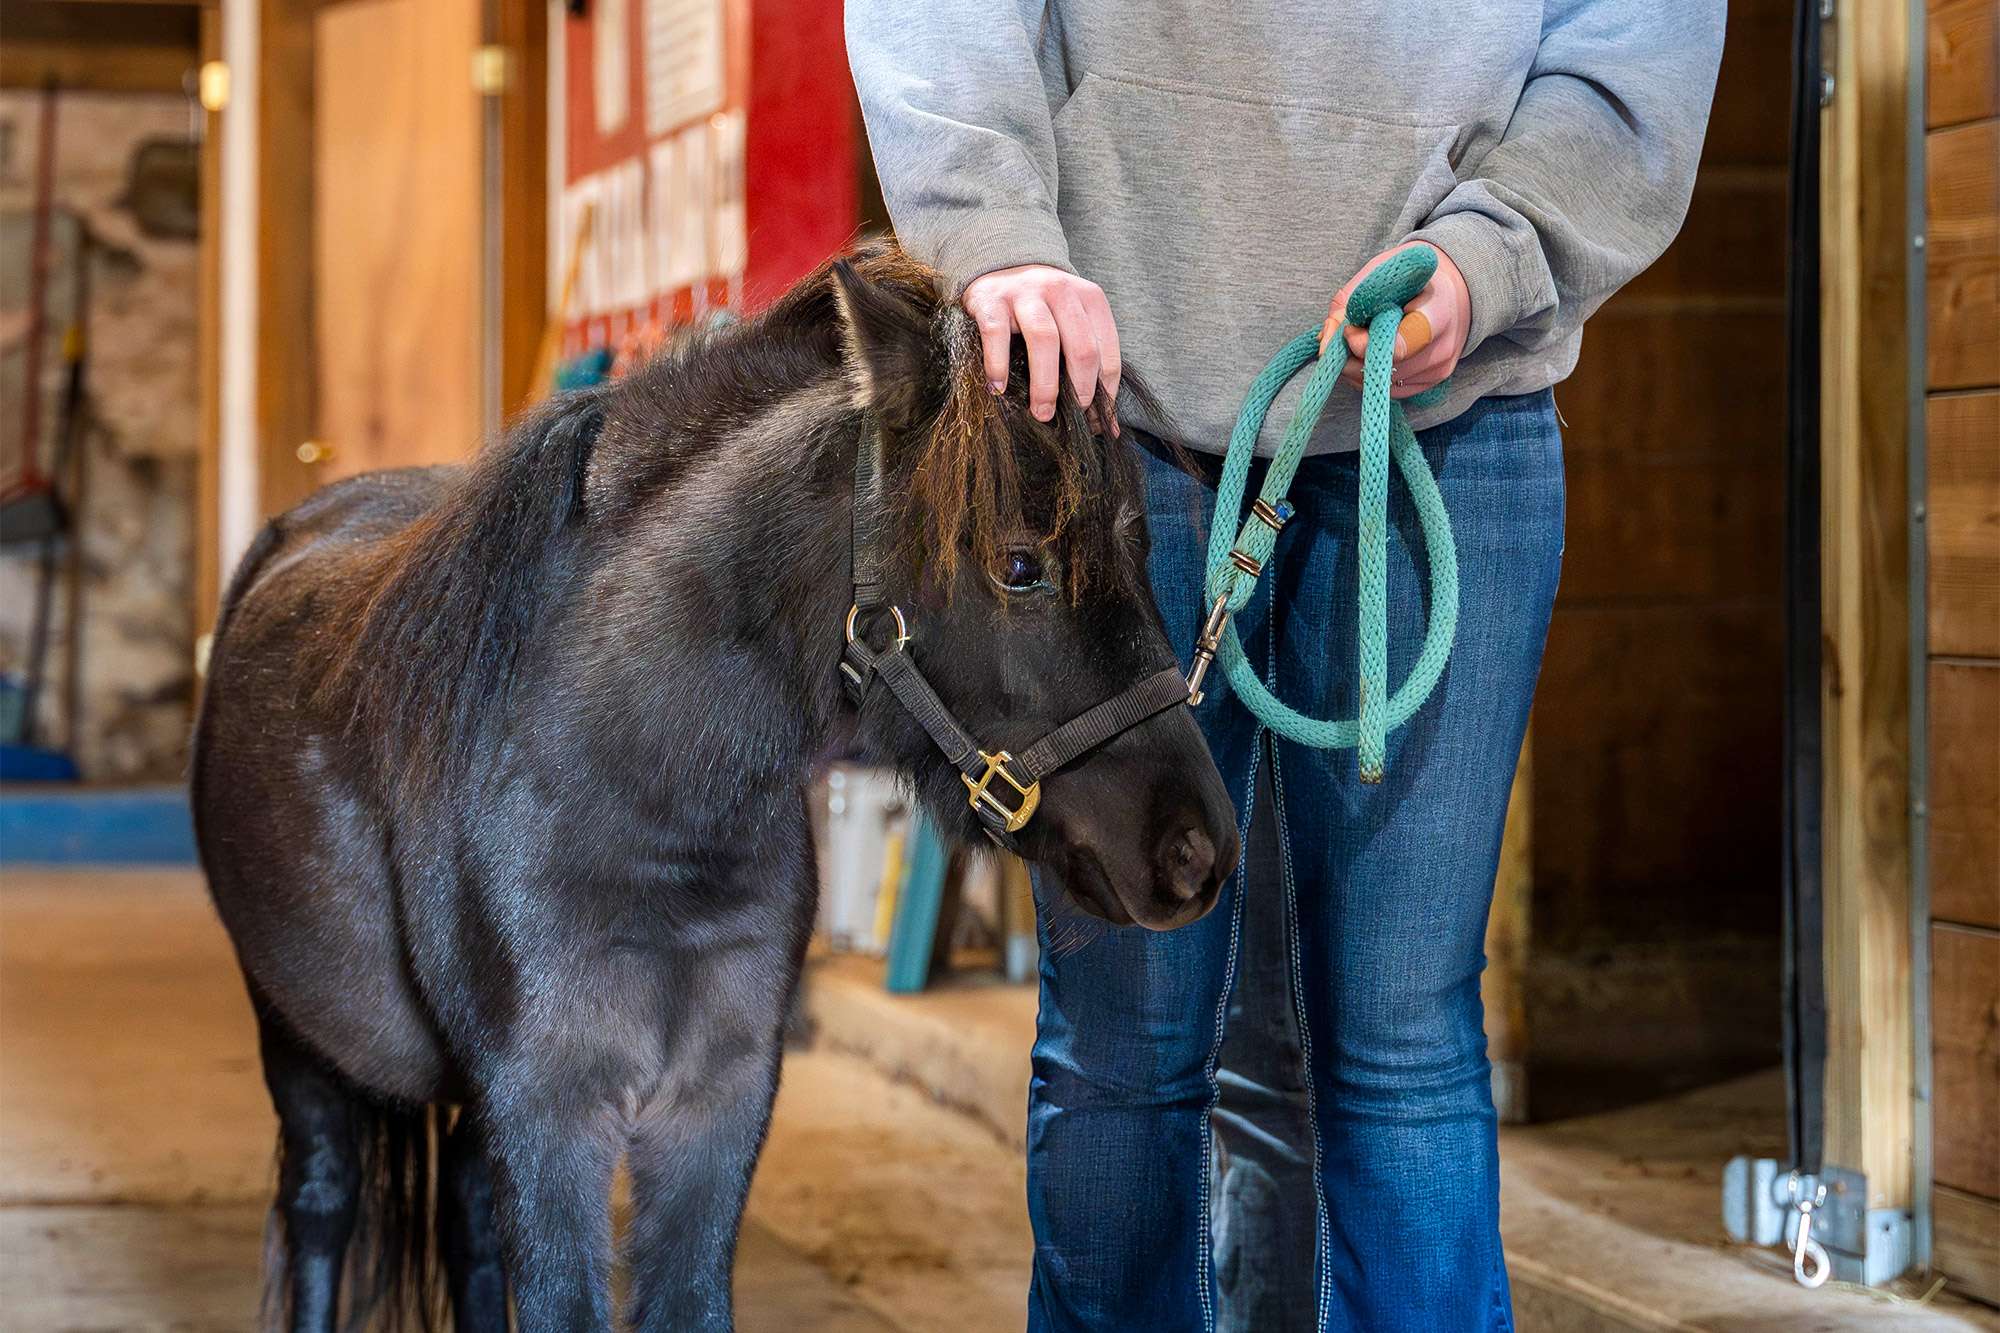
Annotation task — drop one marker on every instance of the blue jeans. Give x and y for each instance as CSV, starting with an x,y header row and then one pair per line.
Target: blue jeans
x,y
1387,889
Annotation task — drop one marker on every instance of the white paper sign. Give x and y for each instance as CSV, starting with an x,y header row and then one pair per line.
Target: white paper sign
x,y
611,63
685,70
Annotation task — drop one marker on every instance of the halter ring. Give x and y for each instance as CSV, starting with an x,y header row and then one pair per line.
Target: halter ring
x,y
902,639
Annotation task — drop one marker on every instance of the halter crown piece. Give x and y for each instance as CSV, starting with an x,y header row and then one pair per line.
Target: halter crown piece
x,y
1377,306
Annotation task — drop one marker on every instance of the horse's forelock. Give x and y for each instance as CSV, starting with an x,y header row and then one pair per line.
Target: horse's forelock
x,y
984,472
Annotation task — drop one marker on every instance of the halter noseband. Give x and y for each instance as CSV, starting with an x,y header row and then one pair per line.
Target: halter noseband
x,y
1004,789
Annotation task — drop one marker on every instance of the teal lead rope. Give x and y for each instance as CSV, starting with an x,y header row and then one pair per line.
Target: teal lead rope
x,y
1377,305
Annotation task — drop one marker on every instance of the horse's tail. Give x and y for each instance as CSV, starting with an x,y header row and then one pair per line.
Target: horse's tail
x,y
394,1280
459,591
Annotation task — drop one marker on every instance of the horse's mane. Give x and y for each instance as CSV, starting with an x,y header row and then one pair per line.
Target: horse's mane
x,y
432,646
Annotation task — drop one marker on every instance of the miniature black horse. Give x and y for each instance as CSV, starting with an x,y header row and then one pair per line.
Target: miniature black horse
x,y
500,784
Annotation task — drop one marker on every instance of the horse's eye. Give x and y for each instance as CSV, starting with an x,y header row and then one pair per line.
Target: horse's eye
x,y
1020,571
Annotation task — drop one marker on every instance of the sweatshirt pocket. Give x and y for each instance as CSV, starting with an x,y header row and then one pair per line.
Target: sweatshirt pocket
x,y
1221,223
1227,178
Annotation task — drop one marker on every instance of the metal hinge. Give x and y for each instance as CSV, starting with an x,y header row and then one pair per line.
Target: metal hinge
x,y
1828,32
492,70
1823,1219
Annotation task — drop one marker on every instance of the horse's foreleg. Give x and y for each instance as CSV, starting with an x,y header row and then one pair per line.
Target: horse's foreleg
x,y
468,1234
551,1154
319,1176
695,1151
691,1165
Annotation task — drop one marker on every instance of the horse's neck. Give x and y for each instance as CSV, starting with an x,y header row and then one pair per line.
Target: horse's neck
x,y
743,566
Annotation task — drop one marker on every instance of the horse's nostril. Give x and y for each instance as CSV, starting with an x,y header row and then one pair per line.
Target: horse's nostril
x,y
1186,856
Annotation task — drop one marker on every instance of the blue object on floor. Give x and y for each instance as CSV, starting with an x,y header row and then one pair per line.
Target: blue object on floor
x,y
31,763
913,933
96,826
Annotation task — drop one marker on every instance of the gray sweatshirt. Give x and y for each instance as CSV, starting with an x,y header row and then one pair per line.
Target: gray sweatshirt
x,y
1221,167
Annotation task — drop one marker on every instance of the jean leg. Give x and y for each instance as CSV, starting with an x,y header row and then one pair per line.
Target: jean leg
x,y
1126,1045
1391,883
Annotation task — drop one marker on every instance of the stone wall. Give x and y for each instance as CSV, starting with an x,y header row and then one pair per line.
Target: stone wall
x,y
140,437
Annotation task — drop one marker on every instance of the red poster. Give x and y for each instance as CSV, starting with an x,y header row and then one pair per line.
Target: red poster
x,y
712,146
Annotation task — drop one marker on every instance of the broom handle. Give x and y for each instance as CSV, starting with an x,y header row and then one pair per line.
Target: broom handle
x,y
38,291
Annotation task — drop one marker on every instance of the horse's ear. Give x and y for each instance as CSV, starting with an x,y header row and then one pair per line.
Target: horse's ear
x,y
888,345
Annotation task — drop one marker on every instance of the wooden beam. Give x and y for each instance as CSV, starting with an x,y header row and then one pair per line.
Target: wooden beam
x,y
524,182
208,339
112,48
287,371
1865,604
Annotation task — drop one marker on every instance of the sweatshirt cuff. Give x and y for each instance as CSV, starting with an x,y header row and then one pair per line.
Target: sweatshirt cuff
x,y
997,238
1493,281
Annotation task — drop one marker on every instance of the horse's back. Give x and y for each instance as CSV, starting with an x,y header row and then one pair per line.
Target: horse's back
x,y
291,820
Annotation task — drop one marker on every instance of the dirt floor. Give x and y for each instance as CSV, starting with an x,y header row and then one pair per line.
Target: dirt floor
x,y
135,1156
135,1146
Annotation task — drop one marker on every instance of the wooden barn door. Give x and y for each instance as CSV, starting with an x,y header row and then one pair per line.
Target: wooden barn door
x,y
396,250
401,196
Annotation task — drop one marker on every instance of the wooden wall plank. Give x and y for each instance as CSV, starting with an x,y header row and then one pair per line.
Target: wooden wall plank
x,y
1657,795
1963,504
1965,1087
1965,792
1963,280
1681,529
1966,1243
1724,248
1963,71
1696,380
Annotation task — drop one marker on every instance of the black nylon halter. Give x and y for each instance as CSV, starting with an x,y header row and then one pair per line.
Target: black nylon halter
x,y
1004,812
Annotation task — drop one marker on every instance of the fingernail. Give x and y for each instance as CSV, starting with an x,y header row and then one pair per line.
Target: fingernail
x,y
1046,413
1401,348
996,386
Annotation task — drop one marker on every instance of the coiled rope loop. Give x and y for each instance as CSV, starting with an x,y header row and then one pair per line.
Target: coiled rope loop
x,y
1233,567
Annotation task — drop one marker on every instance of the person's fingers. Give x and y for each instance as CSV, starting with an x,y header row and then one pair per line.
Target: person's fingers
x,y
1079,344
995,322
1044,339
1111,364
1431,362
1330,330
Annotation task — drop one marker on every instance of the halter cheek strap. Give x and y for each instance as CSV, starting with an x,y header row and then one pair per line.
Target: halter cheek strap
x,y
1003,790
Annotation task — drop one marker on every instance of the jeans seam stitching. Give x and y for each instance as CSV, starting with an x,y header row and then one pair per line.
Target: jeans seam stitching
x,y
1288,879
1205,1239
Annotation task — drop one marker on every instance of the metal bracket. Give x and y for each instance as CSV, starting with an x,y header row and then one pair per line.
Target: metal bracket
x,y
1867,1245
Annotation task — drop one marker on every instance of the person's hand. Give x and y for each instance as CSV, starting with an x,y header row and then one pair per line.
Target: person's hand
x,y
1431,337
1064,320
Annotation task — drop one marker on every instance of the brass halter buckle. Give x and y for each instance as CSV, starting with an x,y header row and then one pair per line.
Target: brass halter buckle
x,y
1015,819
